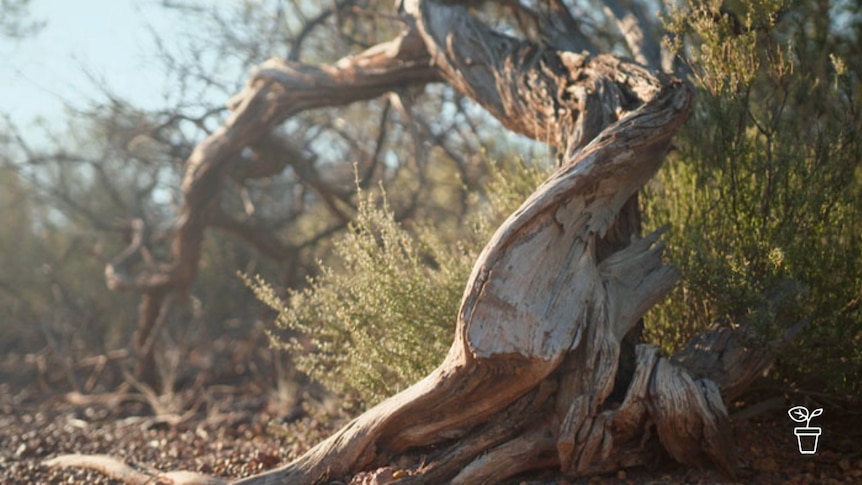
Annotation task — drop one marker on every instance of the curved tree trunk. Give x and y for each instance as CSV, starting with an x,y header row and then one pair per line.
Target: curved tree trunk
x,y
529,381
536,348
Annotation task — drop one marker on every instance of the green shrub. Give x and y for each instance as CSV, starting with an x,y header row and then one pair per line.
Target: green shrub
x,y
381,315
763,193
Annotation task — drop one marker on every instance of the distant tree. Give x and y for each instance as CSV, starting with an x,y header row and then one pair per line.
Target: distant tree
x,y
546,368
13,19
281,203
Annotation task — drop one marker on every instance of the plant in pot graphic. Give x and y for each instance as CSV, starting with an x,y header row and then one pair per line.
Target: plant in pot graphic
x,y
807,437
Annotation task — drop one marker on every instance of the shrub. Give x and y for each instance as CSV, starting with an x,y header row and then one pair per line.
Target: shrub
x,y
763,193
381,315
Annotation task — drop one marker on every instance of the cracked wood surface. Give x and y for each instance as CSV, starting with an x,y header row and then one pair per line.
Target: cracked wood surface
x,y
529,378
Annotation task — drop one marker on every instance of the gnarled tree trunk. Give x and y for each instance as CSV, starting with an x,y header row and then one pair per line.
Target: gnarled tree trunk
x,y
530,379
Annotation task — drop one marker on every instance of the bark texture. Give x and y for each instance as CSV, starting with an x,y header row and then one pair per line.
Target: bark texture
x,y
530,379
535,354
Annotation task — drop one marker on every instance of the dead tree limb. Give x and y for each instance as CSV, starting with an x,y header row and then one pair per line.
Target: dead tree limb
x,y
529,380
277,90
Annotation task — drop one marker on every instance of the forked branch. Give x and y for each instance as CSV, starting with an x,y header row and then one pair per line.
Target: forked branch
x,y
529,379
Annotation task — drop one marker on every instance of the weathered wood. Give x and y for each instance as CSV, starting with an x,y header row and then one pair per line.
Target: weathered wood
x,y
517,326
557,97
529,380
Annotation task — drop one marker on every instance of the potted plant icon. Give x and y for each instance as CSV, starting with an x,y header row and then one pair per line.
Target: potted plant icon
x,y
807,437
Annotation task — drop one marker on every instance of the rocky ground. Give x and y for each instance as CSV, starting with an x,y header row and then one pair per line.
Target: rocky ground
x,y
240,422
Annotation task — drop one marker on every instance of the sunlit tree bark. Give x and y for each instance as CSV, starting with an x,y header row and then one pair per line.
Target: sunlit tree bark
x,y
533,377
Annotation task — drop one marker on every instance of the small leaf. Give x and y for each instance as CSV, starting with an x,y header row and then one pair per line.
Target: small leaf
x,y
816,412
798,413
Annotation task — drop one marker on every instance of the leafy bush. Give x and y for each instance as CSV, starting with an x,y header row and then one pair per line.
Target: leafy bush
x,y
763,193
381,316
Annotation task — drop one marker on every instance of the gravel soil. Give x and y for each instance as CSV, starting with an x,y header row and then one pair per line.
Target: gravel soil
x,y
238,424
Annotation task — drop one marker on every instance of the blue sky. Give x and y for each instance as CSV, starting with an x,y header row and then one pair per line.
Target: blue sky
x,y
85,43
83,40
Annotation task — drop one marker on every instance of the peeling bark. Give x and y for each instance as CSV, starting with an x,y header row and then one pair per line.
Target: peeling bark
x,y
520,332
530,378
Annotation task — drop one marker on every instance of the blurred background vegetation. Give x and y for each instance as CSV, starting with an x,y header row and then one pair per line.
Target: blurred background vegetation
x,y
763,193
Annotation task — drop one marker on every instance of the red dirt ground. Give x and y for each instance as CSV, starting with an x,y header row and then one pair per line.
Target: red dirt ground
x,y
236,424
